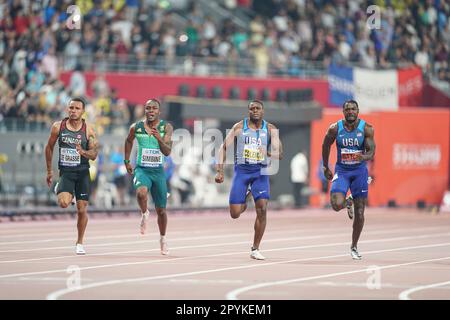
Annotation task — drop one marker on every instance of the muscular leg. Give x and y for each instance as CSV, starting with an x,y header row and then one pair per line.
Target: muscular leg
x,y
82,219
338,201
162,220
260,222
142,198
237,209
64,199
358,221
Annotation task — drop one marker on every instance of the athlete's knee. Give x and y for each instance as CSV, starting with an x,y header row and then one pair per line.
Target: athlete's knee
x,y
160,211
359,208
235,212
359,214
336,206
141,194
63,203
337,203
261,212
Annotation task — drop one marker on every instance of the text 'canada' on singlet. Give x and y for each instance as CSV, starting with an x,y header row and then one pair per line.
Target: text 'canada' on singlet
x,y
69,158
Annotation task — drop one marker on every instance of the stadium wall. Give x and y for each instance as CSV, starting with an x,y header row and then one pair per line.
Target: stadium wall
x,y
138,88
412,155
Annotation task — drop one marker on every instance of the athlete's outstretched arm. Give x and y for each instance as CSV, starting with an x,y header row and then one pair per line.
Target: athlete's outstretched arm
x,y
165,144
329,139
276,147
221,157
49,150
128,146
92,151
369,143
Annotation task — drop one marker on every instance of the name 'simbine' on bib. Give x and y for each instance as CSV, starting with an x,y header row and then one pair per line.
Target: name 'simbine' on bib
x,y
151,157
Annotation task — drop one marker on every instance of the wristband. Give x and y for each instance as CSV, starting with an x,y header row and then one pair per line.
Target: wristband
x,y
126,161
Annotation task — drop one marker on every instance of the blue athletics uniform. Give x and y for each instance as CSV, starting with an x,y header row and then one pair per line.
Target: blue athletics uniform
x,y
250,159
350,173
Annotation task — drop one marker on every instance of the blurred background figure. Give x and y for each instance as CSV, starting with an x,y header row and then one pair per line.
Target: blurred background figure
x,y
119,175
169,168
324,186
299,178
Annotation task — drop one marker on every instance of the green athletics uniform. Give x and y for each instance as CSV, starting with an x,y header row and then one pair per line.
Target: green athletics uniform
x,y
149,171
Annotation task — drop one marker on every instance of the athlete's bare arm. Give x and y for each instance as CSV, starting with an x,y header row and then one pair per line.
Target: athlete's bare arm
x,y
165,144
276,147
128,146
329,139
229,140
369,143
92,151
54,133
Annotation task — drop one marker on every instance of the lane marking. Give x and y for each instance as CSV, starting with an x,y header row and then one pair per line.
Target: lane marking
x,y
404,295
233,294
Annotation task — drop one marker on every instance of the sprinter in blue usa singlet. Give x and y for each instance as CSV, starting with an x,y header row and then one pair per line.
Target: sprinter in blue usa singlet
x,y
355,145
256,143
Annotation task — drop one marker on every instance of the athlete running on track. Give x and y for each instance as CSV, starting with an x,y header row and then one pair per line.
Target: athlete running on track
x,y
256,141
154,142
355,145
77,145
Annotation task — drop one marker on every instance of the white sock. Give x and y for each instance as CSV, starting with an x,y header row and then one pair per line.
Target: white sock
x,y
163,238
146,212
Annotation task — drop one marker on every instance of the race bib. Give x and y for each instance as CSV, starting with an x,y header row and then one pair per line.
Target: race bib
x,y
350,156
151,158
70,157
252,154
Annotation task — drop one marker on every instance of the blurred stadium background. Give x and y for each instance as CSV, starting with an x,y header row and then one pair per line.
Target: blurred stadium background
x,y
204,60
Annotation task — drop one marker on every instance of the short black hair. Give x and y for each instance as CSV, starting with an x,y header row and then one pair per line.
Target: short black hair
x,y
256,101
155,100
79,99
350,101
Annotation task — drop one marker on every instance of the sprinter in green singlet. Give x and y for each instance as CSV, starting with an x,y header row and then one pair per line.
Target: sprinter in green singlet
x,y
77,145
154,138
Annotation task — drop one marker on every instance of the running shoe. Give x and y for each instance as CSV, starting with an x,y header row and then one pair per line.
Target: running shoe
x,y
355,255
79,249
164,247
143,224
255,254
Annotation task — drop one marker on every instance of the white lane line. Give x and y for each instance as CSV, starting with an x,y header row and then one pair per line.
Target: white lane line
x,y
214,255
404,295
236,243
175,248
232,295
199,238
57,294
135,235
190,232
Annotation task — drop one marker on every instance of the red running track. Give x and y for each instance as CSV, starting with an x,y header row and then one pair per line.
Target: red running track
x,y
406,255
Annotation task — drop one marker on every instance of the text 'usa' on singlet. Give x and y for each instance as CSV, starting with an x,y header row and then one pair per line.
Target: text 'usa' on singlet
x,y
252,145
349,144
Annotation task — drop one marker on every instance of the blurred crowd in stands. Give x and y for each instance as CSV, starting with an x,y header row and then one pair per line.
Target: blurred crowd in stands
x,y
36,42
40,39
